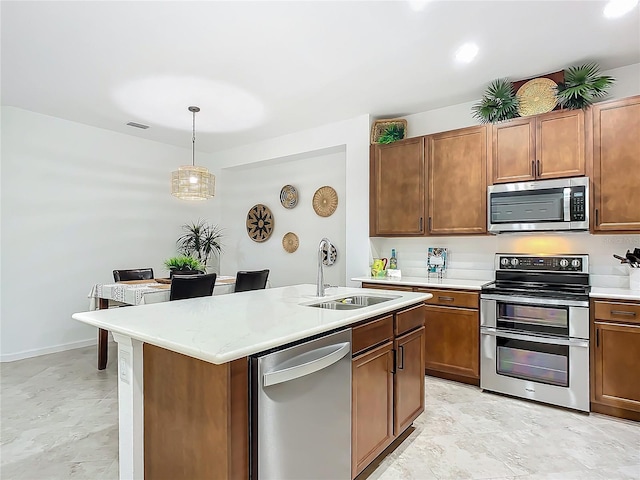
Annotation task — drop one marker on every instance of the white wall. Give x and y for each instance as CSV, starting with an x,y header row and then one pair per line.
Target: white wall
x,y
246,186
350,137
78,202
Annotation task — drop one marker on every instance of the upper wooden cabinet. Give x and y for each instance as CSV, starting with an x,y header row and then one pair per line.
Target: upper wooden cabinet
x,y
397,188
457,174
616,165
551,145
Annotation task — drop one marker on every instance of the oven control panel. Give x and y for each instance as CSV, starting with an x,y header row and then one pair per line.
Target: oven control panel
x,y
548,263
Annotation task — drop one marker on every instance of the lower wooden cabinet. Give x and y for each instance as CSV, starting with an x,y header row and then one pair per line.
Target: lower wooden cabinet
x,y
408,388
452,342
452,335
372,399
615,360
387,383
382,286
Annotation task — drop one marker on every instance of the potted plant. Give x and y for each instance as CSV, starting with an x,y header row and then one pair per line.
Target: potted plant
x,y
499,103
582,85
392,133
183,263
200,240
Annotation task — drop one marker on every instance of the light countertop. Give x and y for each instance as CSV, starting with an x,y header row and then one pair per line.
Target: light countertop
x,y
615,293
220,329
465,284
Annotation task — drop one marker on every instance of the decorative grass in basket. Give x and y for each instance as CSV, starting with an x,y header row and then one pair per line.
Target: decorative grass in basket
x,y
388,131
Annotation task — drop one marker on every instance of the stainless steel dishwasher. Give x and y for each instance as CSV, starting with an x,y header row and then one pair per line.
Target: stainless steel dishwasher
x,y
301,411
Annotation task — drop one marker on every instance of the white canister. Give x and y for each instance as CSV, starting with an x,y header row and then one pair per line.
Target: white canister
x,y
634,278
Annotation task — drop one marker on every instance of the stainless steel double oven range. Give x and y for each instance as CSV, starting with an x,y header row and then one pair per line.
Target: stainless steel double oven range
x,y
535,329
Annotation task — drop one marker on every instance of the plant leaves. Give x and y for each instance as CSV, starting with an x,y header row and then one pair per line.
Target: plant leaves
x,y
499,103
200,240
582,85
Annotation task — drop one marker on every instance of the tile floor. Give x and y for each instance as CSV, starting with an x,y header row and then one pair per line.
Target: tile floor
x,y
59,421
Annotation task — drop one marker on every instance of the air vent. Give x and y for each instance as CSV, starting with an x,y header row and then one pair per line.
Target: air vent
x,y
138,125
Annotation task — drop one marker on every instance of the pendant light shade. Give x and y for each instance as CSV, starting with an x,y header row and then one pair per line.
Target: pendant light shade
x,y
190,182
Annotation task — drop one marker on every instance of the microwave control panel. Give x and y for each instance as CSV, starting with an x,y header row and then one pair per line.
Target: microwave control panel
x,y
578,204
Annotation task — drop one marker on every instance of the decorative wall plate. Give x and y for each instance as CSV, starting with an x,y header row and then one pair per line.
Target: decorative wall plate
x,y
331,259
290,242
259,223
289,196
537,96
325,201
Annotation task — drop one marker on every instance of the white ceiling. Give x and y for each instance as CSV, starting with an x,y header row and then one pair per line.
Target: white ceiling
x,y
268,68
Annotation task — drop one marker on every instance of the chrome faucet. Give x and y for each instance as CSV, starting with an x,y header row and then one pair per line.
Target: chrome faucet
x,y
320,284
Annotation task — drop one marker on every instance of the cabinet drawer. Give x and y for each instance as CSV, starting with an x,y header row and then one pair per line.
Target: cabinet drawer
x,y
410,319
617,312
451,298
381,286
371,334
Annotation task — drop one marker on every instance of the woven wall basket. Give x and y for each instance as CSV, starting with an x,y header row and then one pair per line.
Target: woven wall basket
x,y
379,126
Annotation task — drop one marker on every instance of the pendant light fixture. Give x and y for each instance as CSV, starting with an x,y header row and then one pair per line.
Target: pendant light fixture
x,y
190,182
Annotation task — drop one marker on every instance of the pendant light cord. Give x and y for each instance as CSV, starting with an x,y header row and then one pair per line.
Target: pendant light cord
x,y
193,141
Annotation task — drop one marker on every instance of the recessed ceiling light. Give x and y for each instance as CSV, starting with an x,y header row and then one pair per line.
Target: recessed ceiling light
x,y
467,52
617,8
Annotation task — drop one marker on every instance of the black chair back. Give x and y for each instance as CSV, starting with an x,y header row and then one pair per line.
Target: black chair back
x,y
255,280
191,286
134,274
185,272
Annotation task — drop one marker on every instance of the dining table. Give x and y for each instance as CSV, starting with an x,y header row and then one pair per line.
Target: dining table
x,y
138,292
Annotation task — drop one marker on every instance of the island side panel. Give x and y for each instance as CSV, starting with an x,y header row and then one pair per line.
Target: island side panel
x,y
195,417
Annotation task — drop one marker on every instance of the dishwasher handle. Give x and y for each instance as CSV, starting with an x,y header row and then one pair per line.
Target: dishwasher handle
x,y
336,353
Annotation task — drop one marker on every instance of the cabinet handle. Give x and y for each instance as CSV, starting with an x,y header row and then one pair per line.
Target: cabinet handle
x,y
401,353
429,223
420,228
446,299
597,337
622,312
597,223
533,168
393,363
539,163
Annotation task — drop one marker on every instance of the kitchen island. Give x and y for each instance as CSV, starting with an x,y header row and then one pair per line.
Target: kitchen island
x,y
183,370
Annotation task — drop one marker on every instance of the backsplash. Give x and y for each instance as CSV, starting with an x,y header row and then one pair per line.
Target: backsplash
x,y
473,257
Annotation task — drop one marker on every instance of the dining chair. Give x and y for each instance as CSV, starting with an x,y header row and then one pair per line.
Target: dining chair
x,y
191,286
251,280
133,274
185,272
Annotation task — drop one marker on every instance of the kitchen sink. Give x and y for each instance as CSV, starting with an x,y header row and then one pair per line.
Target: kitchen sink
x,y
352,302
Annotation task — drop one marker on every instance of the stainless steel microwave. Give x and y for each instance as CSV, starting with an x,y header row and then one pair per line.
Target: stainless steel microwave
x,y
538,206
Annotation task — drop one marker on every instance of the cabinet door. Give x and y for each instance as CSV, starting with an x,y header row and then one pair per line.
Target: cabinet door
x,y
452,341
514,151
560,144
409,380
457,172
397,198
617,356
372,405
616,165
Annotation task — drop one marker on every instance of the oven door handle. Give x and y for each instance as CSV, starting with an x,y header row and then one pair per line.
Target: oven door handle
x,y
571,342
535,301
